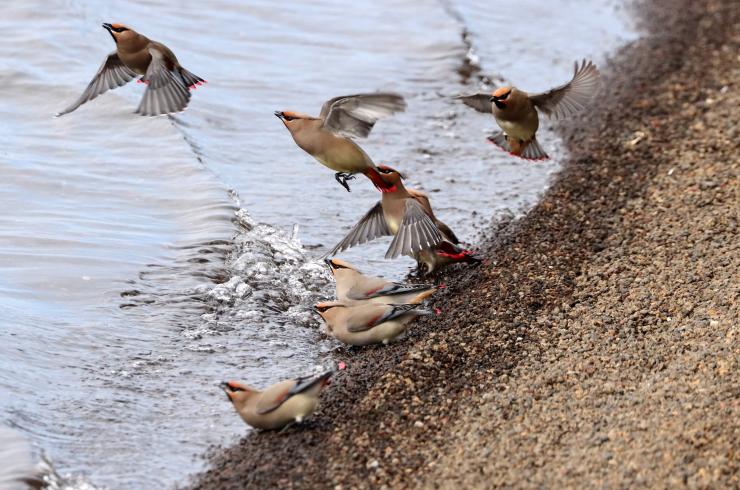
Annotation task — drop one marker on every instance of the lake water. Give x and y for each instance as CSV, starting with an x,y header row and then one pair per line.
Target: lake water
x,y
143,260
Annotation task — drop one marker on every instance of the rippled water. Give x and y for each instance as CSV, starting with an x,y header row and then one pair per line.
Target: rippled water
x,y
144,260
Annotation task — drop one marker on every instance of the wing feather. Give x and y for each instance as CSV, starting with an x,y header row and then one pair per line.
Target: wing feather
x,y
572,97
355,115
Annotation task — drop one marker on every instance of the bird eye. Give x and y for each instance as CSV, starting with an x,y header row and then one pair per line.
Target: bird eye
x,y
288,118
120,29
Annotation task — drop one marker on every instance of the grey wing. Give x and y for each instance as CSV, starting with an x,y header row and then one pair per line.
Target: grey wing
x,y
568,99
306,382
166,91
417,232
390,289
370,227
479,102
391,312
355,115
111,74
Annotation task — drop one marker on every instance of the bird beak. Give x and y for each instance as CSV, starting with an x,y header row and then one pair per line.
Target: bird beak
x,y
227,389
492,99
279,115
329,263
107,26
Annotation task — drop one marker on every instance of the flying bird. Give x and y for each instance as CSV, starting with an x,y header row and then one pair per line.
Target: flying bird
x,y
516,111
403,213
168,83
281,404
329,137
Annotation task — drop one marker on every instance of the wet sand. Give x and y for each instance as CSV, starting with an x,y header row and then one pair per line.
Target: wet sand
x,y
599,344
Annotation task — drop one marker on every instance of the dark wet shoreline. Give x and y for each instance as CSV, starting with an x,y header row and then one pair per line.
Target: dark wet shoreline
x,y
391,417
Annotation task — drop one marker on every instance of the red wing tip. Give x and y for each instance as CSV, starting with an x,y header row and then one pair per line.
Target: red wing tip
x,y
197,84
442,286
341,365
437,311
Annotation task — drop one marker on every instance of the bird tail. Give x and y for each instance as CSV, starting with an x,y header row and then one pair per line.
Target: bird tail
x,y
532,149
191,80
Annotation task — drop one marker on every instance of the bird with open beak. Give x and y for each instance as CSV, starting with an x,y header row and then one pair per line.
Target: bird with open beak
x,y
405,214
365,322
328,137
281,404
168,83
353,285
516,111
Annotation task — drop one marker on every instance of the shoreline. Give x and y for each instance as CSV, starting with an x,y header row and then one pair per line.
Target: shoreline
x,y
535,373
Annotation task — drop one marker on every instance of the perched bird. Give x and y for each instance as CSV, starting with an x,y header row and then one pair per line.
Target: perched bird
x,y
516,111
279,405
365,322
405,213
168,83
442,255
352,285
328,138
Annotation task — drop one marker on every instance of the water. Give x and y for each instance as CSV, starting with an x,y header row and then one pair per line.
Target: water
x,y
144,260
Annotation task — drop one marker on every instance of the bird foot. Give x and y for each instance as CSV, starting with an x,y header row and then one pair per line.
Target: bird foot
x,y
342,178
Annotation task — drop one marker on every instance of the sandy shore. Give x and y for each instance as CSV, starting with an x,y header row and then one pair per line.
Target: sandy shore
x,y
599,346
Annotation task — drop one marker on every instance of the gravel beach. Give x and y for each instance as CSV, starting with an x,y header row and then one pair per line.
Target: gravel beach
x,y
599,344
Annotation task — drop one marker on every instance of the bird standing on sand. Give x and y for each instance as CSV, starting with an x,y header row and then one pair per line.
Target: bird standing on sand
x,y
168,83
352,285
405,213
516,111
327,138
365,322
279,405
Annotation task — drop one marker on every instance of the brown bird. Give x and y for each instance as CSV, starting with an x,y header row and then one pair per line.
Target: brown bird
x,y
516,111
442,255
405,213
364,323
279,405
168,83
352,285
328,138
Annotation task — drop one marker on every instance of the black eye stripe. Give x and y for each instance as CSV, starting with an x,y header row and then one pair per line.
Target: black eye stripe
x,y
120,29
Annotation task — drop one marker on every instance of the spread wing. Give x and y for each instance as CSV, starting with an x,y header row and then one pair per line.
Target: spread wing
x,y
355,115
382,314
111,74
479,102
417,232
568,99
166,91
370,227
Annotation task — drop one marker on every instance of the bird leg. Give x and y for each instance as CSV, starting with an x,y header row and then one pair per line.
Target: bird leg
x,y
342,178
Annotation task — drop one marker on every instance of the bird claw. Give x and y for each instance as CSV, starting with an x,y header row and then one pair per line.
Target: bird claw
x,y
342,178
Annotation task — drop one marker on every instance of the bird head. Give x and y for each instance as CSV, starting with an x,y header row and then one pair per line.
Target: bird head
x,y
237,392
500,97
390,175
328,309
293,120
120,32
336,265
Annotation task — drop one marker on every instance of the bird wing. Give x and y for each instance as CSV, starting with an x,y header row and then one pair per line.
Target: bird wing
x,y
387,289
417,232
446,231
277,394
355,115
111,74
370,227
368,318
166,92
568,99
479,102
